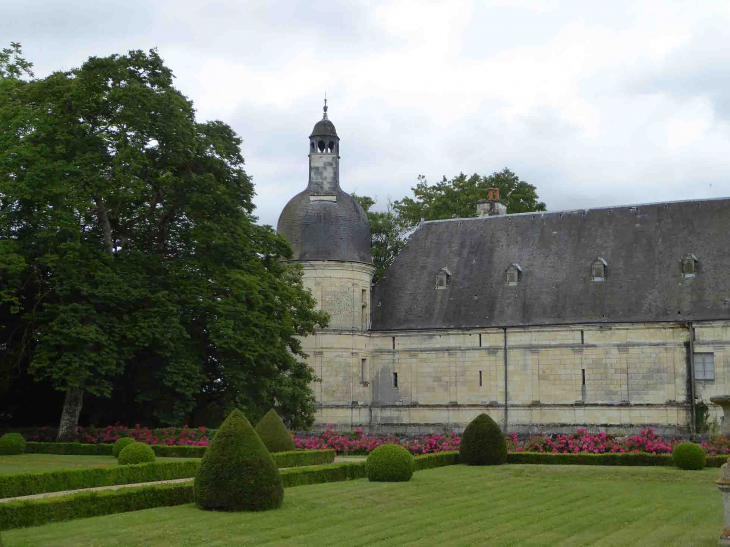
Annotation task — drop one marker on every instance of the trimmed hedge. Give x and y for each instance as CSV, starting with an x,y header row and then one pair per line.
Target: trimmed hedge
x,y
430,461
136,453
483,443
272,432
389,463
299,458
12,444
121,444
611,459
70,449
237,472
21,514
294,458
337,472
689,456
26,484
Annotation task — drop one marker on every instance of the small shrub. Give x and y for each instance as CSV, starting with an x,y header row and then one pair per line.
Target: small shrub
x,y
483,443
237,472
389,463
689,456
120,444
12,444
136,453
273,433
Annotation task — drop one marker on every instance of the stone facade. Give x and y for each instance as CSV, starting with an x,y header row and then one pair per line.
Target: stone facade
x,y
617,378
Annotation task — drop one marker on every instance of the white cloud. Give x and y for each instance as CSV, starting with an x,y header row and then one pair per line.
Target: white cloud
x,y
594,103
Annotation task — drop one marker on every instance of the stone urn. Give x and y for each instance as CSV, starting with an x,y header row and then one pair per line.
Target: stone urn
x,y
723,484
724,402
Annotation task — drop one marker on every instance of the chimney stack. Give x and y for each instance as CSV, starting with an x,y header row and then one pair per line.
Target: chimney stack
x,y
491,206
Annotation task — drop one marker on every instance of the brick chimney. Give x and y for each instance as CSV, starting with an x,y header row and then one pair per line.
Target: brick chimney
x,y
491,206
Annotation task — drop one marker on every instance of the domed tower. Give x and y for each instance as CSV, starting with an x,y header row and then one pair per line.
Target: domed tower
x,y
330,235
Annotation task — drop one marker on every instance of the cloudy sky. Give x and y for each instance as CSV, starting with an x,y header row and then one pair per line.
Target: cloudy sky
x,y
595,103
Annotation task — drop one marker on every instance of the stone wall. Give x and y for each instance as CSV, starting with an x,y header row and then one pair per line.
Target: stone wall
x,y
617,378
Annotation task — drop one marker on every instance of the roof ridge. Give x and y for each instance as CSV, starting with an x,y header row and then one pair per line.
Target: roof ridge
x,y
584,210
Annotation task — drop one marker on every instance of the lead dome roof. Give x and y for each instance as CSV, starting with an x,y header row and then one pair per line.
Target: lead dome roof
x,y
326,230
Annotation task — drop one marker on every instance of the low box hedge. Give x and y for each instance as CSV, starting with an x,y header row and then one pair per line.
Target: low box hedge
x,y
69,449
26,484
295,458
21,514
440,459
299,458
615,459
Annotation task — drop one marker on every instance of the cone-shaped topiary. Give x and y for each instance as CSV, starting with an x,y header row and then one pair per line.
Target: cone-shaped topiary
x,y
237,472
136,453
389,463
12,444
689,456
273,433
483,443
120,444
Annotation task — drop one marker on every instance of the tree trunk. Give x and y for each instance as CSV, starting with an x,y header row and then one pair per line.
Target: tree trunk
x,y
70,415
106,228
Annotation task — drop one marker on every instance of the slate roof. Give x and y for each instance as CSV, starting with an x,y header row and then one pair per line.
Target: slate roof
x,y
326,230
641,244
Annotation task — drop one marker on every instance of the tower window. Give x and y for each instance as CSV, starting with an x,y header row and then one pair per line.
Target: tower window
x,y
688,264
311,146
513,274
321,146
331,146
395,379
599,270
704,366
364,370
443,278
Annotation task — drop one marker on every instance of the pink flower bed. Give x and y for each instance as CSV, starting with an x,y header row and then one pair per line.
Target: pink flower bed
x,y
355,443
191,436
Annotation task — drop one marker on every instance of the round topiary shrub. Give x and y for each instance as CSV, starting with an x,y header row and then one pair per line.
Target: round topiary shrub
x,y
389,463
272,432
483,443
237,472
120,444
689,456
12,444
136,453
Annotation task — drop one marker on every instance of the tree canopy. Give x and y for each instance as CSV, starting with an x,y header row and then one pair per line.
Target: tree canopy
x,y
129,253
458,197
387,234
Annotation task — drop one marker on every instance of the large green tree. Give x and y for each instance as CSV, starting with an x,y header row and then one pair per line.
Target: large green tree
x,y
387,234
457,197
128,246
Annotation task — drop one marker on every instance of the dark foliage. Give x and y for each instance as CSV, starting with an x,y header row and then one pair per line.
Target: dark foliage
x,y
136,453
483,443
390,463
273,433
237,472
689,456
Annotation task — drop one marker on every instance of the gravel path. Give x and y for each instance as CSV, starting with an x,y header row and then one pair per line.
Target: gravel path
x,y
118,486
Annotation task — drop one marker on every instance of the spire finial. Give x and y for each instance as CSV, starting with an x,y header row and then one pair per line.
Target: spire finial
x,y
325,106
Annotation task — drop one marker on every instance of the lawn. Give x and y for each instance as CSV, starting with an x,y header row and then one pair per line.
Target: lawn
x,y
458,505
32,463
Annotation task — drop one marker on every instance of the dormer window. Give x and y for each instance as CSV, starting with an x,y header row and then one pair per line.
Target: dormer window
x,y
443,278
688,264
599,269
513,274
